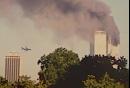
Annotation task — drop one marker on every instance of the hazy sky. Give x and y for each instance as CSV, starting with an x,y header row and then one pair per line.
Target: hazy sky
x,y
22,32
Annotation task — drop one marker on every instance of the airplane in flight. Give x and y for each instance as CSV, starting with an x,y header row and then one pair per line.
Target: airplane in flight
x,y
25,48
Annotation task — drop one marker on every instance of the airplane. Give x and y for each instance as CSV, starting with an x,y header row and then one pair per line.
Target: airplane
x,y
25,48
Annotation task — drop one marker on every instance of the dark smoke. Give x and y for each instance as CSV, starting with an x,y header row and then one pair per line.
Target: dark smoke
x,y
32,6
72,17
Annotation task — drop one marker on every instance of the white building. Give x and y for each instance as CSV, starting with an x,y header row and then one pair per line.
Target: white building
x,y
102,45
113,50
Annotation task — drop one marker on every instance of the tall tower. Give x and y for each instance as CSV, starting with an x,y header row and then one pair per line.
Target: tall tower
x,y
92,42
12,67
113,50
99,44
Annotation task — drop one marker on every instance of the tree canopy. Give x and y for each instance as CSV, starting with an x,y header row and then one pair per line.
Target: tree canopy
x,y
63,69
97,66
104,82
56,64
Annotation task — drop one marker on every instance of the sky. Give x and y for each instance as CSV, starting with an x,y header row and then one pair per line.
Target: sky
x,y
17,31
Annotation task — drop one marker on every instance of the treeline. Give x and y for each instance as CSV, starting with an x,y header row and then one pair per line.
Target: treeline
x,y
63,69
23,82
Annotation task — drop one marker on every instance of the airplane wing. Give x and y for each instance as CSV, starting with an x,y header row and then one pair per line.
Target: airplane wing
x,y
25,49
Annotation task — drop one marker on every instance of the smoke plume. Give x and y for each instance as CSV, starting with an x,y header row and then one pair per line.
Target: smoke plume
x,y
71,17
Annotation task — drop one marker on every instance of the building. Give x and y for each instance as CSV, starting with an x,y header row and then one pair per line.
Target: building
x,y
102,45
12,67
113,50
99,45
92,50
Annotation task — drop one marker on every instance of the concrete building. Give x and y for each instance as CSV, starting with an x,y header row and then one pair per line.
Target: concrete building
x,y
99,45
92,46
12,67
102,45
113,50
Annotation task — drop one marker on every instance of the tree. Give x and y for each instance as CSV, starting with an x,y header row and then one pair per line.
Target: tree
x,y
43,62
91,82
97,66
121,62
4,83
24,82
105,82
41,84
56,64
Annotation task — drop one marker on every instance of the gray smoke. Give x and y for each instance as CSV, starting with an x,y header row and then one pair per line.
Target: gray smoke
x,y
72,17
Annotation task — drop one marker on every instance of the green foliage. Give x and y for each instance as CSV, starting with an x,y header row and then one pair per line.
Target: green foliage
x,y
56,64
122,62
97,66
25,82
62,69
41,85
91,82
105,82
4,83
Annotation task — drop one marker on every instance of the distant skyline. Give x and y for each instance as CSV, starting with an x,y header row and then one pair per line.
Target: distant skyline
x,y
21,32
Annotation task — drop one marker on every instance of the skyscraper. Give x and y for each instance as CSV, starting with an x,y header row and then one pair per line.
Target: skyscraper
x,y
99,43
102,45
92,50
113,50
12,67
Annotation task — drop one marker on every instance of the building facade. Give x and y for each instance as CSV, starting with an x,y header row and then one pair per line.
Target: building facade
x,y
101,45
12,68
